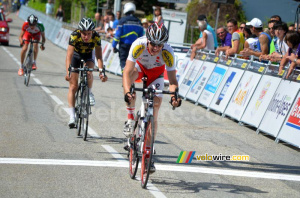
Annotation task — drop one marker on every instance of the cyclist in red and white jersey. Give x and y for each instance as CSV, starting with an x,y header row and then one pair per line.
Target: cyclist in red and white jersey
x,y
149,56
31,29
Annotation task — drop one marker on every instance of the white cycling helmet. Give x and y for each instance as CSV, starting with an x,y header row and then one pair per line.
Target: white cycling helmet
x,y
129,7
157,34
86,24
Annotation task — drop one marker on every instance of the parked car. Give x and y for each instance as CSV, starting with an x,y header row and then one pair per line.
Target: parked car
x,y
4,29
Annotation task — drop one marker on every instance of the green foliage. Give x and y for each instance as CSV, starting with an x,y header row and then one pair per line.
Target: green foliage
x,y
37,6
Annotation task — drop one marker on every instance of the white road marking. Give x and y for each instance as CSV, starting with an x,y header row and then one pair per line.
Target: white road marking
x,y
37,81
176,168
56,99
46,90
114,153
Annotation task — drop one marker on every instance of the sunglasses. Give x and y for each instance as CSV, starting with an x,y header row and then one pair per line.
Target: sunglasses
x,y
220,33
242,27
271,28
156,45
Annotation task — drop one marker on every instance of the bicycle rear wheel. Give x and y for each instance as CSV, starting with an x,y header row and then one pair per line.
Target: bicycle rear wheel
x,y
86,113
147,153
133,150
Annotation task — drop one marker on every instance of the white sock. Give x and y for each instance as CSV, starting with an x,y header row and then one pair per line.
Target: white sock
x,y
90,90
21,66
34,61
72,113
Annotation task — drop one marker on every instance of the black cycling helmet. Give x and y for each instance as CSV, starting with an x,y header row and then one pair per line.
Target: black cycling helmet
x,y
86,24
32,20
157,34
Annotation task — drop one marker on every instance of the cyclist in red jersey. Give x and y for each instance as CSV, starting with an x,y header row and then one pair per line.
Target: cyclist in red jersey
x,y
149,56
31,29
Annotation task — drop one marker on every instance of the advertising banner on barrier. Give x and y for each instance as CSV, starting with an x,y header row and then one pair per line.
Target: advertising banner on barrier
x,y
185,68
65,40
190,77
290,131
279,107
228,85
59,36
201,79
213,83
181,67
115,64
244,90
262,97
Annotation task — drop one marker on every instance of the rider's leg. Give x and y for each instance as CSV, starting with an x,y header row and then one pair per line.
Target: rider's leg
x,y
73,86
90,64
23,54
35,51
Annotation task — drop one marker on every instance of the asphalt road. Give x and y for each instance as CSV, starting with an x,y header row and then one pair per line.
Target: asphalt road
x,y
41,157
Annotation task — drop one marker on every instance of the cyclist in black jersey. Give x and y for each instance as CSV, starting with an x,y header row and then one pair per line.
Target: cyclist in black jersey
x,y
81,45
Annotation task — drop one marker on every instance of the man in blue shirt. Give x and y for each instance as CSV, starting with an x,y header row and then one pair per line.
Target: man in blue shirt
x,y
128,30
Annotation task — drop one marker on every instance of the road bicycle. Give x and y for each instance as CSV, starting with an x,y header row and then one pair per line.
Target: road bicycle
x,y
28,61
82,98
144,131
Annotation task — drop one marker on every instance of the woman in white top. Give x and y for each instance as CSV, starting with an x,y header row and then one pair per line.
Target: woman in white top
x,y
207,40
158,18
281,47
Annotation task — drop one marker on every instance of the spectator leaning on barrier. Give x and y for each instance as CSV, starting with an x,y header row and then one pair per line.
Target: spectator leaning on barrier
x,y
250,39
116,21
128,30
209,28
225,38
105,25
237,40
280,47
292,39
145,24
242,26
264,40
207,40
275,18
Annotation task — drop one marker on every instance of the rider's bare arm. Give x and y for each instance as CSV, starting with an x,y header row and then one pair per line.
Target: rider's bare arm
x,y
127,72
70,52
21,36
98,53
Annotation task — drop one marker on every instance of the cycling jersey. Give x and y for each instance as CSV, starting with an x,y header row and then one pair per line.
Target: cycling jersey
x,y
82,47
39,27
151,66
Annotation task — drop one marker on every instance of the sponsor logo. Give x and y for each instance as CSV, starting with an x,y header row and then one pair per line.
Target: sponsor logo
x,y
294,119
280,106
137,51
168,58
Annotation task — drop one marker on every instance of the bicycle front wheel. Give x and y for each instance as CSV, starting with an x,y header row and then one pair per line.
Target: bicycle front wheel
x,y
27,71
133,150
86,113
77,109
147,152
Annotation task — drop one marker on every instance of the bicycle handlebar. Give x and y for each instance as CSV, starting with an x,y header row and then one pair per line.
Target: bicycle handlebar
x,y
73,69
32,41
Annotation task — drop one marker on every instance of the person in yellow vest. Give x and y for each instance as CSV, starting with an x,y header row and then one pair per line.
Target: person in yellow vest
x,y
237,39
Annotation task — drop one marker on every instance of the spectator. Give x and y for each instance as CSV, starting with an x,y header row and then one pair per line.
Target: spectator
x,y
99,22
281,48
293,41
209,28
157,14
109,33
237,40
116,21
275,18
242,26
145,25
292,27
264,40
297,27
150,22
60,14
127,24
49,8
271,29
224,36
105,25
207,40
250,39
111,18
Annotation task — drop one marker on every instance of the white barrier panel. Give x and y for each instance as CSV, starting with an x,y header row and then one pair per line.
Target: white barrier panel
x,y
262,97
115,64
187,67
245,89
65,39
190,77
110,60
59,36
213,84
182,67
290,131
200,81
279,107
228,85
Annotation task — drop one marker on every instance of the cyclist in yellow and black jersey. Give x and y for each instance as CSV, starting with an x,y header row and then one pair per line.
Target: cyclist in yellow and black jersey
x,y
84,47
81,45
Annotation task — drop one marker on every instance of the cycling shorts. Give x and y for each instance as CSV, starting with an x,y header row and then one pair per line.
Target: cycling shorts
x,y
76,59
27,36
154,78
